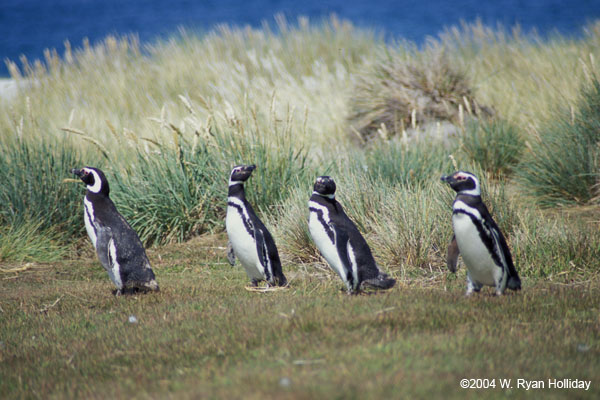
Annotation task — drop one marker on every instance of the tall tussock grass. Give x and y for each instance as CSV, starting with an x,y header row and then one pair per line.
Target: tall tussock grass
x,y
563,166
405,88
170,196
29,241
33,188
495,145
396,163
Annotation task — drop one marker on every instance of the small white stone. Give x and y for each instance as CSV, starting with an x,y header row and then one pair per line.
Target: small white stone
x,y
285,382
582,347
132,319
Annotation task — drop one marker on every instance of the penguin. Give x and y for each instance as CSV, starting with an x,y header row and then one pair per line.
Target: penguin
x,y
478,238
117,245
340,242
249,239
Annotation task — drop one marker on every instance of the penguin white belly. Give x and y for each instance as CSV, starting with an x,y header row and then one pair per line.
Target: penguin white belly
x,y
326,246
478,260
244,244
88,217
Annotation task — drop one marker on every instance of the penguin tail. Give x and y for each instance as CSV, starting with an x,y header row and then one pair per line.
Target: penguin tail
x,y
382,282
152,285
514,283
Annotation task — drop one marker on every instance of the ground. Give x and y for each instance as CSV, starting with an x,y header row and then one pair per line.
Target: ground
x,y
64,335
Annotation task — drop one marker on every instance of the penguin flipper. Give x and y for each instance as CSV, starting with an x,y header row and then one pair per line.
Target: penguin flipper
x,y
230,254
103,238
452,255
106,254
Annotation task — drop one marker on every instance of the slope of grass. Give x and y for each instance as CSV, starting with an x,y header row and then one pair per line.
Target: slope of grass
x,y
62,334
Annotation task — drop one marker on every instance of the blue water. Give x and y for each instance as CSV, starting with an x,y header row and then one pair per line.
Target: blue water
x,y
29,26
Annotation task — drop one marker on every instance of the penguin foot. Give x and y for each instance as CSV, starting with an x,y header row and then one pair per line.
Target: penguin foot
x,y
514,283
131,290
382,282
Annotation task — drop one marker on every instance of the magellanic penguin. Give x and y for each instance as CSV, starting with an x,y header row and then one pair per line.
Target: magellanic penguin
x,y
478,238
249,239
340,242
118,247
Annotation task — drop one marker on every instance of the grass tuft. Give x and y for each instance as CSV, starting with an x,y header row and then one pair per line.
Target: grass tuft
x,y
494,145
405,88
562,166
170,196
27,241
33,188
396,163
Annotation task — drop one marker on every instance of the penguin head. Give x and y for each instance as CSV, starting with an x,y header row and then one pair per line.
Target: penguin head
x,y
93,178
325,186
463,183
241,173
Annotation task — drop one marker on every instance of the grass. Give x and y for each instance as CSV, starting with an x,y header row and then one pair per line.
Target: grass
x,y
33,186
562,168
407,87
71,338
495,146
27,241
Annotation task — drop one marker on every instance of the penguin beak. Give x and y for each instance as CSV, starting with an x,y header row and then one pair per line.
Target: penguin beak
x,y
251,167
76,171
446,178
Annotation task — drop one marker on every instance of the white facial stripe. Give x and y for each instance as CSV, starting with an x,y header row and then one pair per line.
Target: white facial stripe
x,y
459,205
329,196
95,188
231,183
